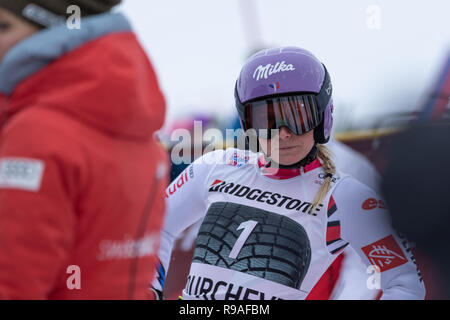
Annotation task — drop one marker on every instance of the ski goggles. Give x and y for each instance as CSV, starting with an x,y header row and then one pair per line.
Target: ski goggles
x,y
299,113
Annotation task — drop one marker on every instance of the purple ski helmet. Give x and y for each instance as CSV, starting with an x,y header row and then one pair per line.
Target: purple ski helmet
x,y
285,72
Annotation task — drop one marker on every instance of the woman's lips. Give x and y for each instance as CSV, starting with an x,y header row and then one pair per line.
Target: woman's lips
x,y
287,148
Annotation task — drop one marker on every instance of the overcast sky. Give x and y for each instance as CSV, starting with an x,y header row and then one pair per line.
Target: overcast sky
x,y
382,54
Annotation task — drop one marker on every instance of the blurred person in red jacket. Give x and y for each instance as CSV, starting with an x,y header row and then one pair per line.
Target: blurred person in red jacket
x,y
82,177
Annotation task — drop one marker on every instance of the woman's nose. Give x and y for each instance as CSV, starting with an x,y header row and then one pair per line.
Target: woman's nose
x,y
285,133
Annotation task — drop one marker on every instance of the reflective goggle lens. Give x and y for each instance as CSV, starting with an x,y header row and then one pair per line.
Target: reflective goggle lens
x,y
298,113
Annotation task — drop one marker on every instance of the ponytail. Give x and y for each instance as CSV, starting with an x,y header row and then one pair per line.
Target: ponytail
x,y
324,155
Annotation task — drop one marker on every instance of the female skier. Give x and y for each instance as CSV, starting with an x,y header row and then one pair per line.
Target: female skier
x,y
274,221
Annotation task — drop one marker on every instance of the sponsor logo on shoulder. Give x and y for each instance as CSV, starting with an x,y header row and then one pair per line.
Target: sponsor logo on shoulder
x,y
385,253
191,172
21,173
372,203
237,160
322,176
179,182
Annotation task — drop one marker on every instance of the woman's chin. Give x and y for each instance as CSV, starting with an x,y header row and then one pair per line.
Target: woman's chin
x,y
287,160
289,156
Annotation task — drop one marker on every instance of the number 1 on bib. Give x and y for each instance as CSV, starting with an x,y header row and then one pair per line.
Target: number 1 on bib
x,y
248,227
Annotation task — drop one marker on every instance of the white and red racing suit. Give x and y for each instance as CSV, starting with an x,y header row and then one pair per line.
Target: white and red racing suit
x,y
260,240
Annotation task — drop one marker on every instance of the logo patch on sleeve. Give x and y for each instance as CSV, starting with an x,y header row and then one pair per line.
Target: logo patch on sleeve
x,y
373,203
21,173
385,253
238,160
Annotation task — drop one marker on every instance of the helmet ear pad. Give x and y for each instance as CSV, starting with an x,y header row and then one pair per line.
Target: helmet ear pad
x,y
322,132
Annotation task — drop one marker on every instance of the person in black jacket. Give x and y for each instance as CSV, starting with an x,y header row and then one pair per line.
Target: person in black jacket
x,y
416,183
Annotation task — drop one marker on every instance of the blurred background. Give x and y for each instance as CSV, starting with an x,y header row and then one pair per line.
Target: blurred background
x,y
383,55
389,62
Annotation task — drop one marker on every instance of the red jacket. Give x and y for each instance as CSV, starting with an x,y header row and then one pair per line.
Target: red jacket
x,y
81,177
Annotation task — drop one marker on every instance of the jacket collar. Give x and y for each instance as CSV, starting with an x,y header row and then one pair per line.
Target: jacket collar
x,y
36,52
283,174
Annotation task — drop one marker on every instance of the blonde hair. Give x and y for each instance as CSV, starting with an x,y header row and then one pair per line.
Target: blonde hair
x,y
324,155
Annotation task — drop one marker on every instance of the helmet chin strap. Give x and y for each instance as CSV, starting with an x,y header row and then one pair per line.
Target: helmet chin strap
x,y
310,157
